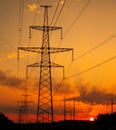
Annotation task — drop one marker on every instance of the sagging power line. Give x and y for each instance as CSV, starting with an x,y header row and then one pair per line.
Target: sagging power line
x,y
21,12
55,12
92,49
77,18
91,68
59,13
97,46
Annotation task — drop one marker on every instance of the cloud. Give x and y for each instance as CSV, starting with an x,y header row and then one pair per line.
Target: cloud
x,y
12,55
84,92
95,97
32,7
11,81
80,92
63,87
61,1
8,56
8,109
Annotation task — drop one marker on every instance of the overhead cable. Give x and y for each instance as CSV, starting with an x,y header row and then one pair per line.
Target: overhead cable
x,y
97,46
55,12
77,18
35,14
21,11
60,12
93,67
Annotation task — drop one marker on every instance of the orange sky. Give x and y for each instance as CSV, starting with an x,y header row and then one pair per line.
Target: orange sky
x,y
85,26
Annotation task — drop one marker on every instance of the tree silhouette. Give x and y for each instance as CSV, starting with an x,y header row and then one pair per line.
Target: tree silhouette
x,y
4,119
107,118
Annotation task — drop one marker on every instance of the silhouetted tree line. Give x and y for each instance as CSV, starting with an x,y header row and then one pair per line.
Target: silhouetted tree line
x,y
104,123
107,118
4,119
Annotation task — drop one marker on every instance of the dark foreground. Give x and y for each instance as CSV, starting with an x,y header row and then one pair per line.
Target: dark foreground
x,y
64,125
103,122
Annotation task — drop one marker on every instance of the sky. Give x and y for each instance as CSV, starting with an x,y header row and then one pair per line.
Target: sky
x,y
88,27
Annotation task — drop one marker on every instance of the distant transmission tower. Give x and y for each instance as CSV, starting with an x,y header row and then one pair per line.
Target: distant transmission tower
x,y
45,99
23,109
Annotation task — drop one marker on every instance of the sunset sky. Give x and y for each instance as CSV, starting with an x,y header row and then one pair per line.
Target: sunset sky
x,y
89,27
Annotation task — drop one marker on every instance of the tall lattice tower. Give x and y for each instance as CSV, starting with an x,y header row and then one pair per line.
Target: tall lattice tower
x,y
23,107
45,99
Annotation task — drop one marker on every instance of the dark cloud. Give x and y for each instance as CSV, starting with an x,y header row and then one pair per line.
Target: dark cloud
x,y
95,97
63,88
11,81
8,109
87,93
8,80
15,109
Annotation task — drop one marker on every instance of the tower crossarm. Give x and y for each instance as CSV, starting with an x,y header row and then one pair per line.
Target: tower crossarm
x,y
54,65
57,50
42,49
39,65
24,101
42,28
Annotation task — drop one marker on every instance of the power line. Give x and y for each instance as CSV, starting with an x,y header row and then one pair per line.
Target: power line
x,y
35,14
70,27
55,12
34,22
60,12
99,45
93,67
21,11
92,49
78,16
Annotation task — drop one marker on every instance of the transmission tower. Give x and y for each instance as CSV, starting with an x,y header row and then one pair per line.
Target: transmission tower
x,y
24,107
45,99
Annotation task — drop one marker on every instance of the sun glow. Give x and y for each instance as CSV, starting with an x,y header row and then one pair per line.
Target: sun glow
x,y
91,118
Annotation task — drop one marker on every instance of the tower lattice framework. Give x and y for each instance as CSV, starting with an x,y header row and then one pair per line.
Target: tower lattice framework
x,y
24,106
45,98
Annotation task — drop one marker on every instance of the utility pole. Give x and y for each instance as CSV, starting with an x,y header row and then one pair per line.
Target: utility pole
x,y
45,98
